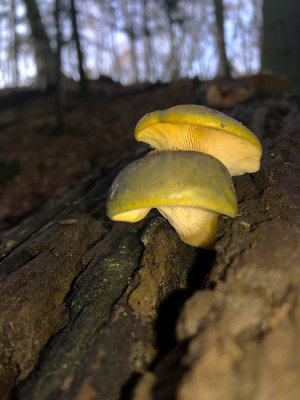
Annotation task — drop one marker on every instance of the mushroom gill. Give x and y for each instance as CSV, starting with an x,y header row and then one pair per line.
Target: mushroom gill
x,y
201,129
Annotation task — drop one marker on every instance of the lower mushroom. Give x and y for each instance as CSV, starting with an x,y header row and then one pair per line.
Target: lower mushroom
x,y
188,188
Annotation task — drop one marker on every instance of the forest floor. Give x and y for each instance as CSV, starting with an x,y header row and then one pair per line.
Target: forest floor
x,y
39,162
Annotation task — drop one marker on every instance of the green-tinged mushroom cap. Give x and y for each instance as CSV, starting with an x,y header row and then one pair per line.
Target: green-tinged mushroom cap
x,y
199,128
189,188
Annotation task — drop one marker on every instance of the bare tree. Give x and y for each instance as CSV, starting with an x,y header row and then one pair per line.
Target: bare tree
x,y
59,75
147,43
83,81
224,69
170,7
15,42
45,57
129,12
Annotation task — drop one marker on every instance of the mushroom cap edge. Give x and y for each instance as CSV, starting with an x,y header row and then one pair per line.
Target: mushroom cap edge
x,y
180,178
197,115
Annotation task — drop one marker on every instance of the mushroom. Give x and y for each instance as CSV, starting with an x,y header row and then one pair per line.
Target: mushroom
x,y
199,128
268,83
189,188
227,92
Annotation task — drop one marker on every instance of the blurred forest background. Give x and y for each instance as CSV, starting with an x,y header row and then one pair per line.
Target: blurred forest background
x,y
137,40
75,77
143,40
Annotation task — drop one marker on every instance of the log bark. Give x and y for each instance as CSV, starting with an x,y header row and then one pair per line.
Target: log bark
x,y
95,309
238,338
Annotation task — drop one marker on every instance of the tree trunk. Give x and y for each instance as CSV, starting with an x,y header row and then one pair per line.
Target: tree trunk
x,y
133,54
131,39
147,45
280,46
83,82
173,63
45,58
88,306
60,92
224,69
15,43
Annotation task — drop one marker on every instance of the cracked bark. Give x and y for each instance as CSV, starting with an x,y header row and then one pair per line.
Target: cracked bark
x,y
93,309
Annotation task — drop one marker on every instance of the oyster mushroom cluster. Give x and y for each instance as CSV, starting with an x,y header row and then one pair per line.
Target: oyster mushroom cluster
x,y
188,176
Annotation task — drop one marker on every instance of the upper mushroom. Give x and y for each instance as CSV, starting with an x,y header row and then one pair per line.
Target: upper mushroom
x,y
190,189
201,129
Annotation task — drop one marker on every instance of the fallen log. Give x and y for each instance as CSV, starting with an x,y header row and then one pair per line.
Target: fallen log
x,y
94,309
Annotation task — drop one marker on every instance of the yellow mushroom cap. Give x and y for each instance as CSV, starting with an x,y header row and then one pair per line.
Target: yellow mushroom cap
x,y
199,128
189,188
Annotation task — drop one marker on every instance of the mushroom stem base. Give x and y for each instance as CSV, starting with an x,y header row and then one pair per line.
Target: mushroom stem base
x,y
196,227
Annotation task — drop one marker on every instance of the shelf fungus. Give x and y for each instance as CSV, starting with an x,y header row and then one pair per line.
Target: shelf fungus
x,y
189,188
201,129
